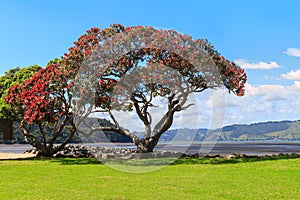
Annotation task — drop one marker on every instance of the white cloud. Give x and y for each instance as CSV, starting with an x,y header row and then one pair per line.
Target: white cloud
x,y
260,65
292,75
273,93
292,52
216,98
268,102
294,88
269,91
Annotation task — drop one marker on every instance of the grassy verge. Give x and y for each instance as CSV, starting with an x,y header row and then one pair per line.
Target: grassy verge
x,y
185,179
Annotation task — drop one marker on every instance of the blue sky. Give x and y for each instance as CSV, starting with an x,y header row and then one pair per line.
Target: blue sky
x,y
262,36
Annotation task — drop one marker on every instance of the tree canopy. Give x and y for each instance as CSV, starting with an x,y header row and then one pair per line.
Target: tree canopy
x,y
120,68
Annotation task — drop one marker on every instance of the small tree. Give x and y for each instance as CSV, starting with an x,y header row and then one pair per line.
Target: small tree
x,y
131,68
45,99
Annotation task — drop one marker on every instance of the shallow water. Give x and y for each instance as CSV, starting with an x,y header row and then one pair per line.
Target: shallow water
x,y
14,148
222,148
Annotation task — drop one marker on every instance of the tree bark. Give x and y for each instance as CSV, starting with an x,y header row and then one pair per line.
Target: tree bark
x,y
147,131
146,145
45,148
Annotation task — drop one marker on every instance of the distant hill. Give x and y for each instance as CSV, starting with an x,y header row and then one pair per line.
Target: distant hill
x,y
282,130
279,130
106,136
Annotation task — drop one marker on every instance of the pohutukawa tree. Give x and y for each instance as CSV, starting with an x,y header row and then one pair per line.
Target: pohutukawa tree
x,y
45,99
133,66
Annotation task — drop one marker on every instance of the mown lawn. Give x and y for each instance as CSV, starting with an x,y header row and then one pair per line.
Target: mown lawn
x,y
188,179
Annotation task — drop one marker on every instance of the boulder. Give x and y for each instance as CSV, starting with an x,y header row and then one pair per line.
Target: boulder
x,y
231,156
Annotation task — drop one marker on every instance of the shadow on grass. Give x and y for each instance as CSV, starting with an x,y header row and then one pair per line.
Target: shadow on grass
x,y
129,162
141,162
219,161
160,162
76,161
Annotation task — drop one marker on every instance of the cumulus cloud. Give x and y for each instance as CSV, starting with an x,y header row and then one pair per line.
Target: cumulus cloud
x,y
292,75
269,91
273,92
268,102
265,102
260,65
292,52
295,88
216,98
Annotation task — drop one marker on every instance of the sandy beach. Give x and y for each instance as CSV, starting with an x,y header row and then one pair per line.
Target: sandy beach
x,y
11,156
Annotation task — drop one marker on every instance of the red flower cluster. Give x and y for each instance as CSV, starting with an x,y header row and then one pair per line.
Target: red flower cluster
x,y
104,93
234,77
84,46
41,98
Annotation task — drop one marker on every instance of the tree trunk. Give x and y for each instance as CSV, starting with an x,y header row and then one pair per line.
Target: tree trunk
x,y
45,152
48,149
146,145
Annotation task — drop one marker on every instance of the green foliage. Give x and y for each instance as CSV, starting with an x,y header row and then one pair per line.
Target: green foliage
x,y
10,78
55,61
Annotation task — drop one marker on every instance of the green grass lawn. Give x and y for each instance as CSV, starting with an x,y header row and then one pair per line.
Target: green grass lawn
x,y
188,179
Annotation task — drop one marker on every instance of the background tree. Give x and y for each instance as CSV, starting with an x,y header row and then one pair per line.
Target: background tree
x,y
10,78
